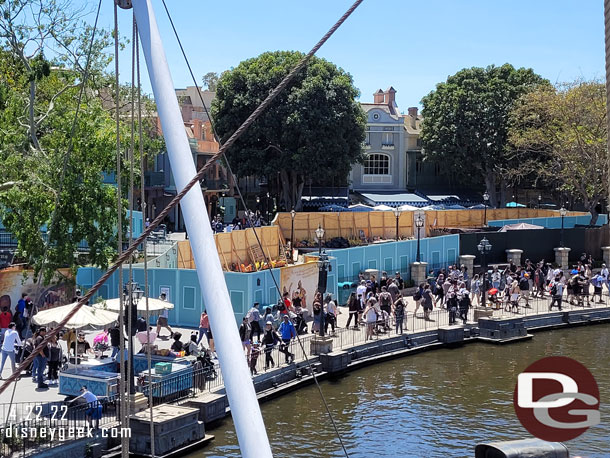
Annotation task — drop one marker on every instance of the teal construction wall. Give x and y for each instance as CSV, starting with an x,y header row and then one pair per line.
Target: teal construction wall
x,y
185,293
395,256
553,222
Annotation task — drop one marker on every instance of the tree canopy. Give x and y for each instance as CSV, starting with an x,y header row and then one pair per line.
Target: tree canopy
x,y
42,62
314,128
559,134
466,121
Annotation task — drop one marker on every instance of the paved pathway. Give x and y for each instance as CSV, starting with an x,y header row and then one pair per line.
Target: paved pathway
x,y
27,391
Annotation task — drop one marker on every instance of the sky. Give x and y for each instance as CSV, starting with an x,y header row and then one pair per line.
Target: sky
x,y
410,45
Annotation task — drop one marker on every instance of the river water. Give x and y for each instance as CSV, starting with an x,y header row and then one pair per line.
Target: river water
x,y
439,403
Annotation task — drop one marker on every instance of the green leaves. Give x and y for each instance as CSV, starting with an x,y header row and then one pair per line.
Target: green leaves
x,y
315,128
466,120
560,135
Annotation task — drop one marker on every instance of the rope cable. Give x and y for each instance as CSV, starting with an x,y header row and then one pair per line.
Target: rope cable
x,y
248,216
232,139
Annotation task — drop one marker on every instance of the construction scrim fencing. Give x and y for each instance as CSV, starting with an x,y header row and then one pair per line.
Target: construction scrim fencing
x,y
239,248
373,225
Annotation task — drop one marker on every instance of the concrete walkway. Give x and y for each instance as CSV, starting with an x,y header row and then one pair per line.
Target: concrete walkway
x,y
26,390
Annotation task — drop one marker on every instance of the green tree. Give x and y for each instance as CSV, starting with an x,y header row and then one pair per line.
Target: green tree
x,y
466,123
314,128
559,134
210,80
38,102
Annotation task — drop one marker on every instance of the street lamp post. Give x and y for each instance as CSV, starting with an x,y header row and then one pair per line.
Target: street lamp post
x,y
485,203
268,212
397,215
292,215
563,212
132,295
539,201
419,223
322,274
484,248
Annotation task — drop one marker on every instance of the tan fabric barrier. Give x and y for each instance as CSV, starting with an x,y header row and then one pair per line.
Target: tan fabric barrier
x,y
238,247
374,224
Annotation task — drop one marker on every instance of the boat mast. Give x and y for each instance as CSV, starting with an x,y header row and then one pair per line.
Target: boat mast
x,y
244,405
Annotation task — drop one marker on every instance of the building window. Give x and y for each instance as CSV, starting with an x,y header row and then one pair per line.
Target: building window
x,y
377,164
388,139
419,142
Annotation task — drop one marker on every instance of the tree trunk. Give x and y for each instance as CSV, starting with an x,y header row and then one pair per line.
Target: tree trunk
x,y
503,191
490,187
291,190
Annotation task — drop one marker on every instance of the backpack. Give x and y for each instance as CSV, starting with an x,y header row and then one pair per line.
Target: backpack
x,y
554,289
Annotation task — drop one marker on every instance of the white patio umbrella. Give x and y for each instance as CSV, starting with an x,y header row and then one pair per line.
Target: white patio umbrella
x,y
87,317
154,305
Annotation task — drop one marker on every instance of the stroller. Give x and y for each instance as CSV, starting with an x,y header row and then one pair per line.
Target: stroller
x,y
209,369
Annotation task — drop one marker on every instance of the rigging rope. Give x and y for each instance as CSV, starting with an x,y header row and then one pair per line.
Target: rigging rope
x,y
123,256
248,216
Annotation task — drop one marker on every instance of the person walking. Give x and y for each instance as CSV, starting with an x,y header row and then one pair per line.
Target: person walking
x,y
464,304
254,317
597,281
556,290
162,321
398,310
427,302
11,340
40,361
352,306
270,339
606,276
55,357
204,325
287,333
417,297
331,314
386,300
370,316
475,288
452,302
524,288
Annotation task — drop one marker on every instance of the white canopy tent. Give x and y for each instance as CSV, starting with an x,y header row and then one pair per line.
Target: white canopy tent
x,y
87,317
154,305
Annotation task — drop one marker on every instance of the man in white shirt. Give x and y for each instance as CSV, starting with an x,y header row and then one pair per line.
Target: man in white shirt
x,y
331,313
11,339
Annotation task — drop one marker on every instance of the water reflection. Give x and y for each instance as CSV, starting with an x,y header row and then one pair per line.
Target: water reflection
x,y
436,404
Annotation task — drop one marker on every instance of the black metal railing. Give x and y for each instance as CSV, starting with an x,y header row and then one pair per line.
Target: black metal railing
x,y
30,428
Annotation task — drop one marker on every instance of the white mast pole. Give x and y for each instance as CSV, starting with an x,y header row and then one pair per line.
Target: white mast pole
x,y
245,410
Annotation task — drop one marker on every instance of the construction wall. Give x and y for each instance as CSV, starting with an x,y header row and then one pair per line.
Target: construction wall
x,y
382,225
237,247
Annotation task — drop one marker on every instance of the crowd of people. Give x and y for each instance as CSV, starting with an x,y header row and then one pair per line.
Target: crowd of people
x,y
513,287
